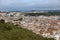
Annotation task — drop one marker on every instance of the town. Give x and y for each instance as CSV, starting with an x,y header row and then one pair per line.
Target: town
x,y
46,26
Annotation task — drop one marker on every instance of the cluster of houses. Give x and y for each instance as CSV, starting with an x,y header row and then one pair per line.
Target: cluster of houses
x,y
46,26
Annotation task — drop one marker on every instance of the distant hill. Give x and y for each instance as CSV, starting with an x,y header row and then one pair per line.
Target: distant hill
x,y
49,13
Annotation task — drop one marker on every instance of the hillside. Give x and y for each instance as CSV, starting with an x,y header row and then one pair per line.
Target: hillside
x,y
10,32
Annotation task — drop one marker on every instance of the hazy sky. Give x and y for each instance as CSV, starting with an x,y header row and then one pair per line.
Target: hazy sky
x,y
29,4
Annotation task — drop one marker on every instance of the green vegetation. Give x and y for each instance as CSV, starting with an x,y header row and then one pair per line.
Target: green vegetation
x,y
45,14
10,32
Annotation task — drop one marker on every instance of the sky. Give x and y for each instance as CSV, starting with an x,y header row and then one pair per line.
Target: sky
x,y
29,4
